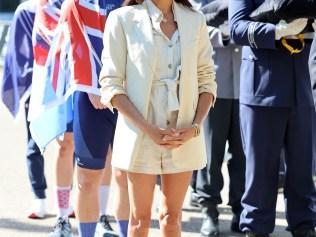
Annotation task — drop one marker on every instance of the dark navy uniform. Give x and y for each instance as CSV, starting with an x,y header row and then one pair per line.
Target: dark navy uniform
x,y
276,109
312,72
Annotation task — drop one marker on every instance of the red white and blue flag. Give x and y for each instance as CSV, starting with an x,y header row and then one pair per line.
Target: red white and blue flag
x,y
73,62
45,23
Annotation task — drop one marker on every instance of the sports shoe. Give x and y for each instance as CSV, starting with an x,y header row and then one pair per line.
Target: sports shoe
x,y
61,229
38,209
104,228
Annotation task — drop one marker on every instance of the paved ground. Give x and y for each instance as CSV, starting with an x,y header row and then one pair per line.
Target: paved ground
x,y
15,195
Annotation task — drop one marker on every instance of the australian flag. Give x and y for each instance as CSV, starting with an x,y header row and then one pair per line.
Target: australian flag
x,y
73,63
18,66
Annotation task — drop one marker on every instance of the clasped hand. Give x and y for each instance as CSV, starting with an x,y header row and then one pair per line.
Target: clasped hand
x,y
170,138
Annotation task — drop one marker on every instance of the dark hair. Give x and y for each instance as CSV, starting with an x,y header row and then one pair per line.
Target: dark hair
x,y
185,3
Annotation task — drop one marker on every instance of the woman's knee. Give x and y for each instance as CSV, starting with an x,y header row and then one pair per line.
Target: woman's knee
x,y
140,220
170,219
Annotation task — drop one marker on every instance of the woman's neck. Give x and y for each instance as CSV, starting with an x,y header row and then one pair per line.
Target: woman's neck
x,y
165,6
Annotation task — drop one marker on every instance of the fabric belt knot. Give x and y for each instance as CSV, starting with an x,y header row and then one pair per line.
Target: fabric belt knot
x,y
172,88
173,101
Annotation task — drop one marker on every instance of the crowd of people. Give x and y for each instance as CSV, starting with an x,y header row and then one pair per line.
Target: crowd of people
x,y
137,89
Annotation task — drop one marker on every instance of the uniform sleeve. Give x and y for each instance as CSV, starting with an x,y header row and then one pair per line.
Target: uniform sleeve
x,y
206,69
247,32
112,76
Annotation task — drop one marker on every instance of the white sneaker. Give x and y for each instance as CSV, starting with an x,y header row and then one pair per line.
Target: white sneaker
x,y
104,228
38,210
62,228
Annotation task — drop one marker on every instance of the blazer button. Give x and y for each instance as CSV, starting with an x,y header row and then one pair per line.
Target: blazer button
x,y
236,50
170,66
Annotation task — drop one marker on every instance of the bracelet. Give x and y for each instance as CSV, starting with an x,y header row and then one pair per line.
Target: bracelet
x,y
197,129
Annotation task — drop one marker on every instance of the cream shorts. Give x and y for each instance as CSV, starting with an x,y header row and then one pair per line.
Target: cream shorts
x,y
154,159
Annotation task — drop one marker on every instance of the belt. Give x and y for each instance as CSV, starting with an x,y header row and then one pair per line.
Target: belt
x,y
172,88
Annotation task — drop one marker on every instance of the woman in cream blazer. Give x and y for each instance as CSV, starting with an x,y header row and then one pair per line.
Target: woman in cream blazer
x,y
129,68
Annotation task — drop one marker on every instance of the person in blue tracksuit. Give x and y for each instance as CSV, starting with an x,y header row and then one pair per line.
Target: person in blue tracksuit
x,y
276,110
15,87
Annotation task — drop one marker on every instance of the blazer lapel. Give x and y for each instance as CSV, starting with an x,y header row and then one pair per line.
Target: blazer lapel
x,y
144,32
185,32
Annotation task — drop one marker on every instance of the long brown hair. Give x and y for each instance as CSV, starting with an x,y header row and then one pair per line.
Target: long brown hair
x,y
185,3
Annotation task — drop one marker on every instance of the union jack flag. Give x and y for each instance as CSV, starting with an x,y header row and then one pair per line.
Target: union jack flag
x,y
46,19
74,59
45,23
78,46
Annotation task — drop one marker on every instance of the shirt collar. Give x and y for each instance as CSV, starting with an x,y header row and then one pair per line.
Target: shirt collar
x,y
155,13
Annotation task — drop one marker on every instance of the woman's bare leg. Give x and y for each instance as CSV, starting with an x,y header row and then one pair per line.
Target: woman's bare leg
x,y
173,188
141,192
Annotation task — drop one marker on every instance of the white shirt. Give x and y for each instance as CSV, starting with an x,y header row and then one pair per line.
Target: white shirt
x,y
169,58
169,53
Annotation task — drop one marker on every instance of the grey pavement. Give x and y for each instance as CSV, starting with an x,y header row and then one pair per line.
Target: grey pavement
x,y
16,197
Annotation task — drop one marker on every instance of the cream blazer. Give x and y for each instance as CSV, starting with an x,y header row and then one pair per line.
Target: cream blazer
x,y
129,65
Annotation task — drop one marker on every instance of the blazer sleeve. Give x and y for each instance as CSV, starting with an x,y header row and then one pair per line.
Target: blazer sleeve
x,y
112,75
244,31
206,68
